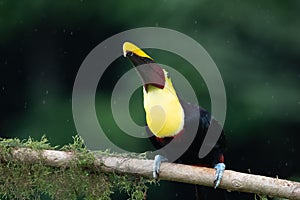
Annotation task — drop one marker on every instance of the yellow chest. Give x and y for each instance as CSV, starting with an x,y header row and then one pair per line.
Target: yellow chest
x,y
164,113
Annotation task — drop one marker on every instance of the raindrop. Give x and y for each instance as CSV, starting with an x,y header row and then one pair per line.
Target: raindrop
x,y
47,91
71,33
44,101
25,105
196,22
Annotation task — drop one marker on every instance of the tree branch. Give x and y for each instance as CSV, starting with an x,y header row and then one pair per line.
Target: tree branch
x,y
233,181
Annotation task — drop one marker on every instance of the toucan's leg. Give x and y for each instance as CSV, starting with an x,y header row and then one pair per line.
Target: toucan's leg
x,y
158,159
220,168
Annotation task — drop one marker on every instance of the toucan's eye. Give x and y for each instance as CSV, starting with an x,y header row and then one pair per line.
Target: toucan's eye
x,y
129,53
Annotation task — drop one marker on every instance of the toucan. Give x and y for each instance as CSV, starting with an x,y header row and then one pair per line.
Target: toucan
x,y
169,117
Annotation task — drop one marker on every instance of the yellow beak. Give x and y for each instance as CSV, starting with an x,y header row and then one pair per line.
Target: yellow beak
x,y
150,72
131,48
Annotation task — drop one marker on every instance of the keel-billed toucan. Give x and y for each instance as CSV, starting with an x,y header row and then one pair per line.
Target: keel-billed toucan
x,y
170,118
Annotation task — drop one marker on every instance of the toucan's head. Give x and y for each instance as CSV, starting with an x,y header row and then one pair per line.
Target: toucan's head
x,y
150,72
164,113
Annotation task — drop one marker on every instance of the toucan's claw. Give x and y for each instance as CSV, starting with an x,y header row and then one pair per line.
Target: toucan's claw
x,y
158,159
220,168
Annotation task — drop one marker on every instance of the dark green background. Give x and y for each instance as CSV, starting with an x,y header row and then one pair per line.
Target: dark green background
x,y
255,45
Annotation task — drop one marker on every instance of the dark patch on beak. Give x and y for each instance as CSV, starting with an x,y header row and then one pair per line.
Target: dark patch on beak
x,y
149,71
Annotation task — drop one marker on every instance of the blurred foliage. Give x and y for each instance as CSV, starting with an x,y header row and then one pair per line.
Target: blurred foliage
x,y
255,45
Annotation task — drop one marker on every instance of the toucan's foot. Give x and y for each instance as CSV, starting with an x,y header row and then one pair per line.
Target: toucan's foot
x,y
158,159
220,168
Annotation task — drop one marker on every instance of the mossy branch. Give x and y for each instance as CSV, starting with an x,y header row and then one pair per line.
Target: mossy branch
x,y
32,169
233,181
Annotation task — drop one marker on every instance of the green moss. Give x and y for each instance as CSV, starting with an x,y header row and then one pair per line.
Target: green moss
x,y
21,180
260,197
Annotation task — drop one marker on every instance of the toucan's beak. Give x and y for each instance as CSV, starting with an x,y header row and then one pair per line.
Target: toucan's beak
x,y
150,72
